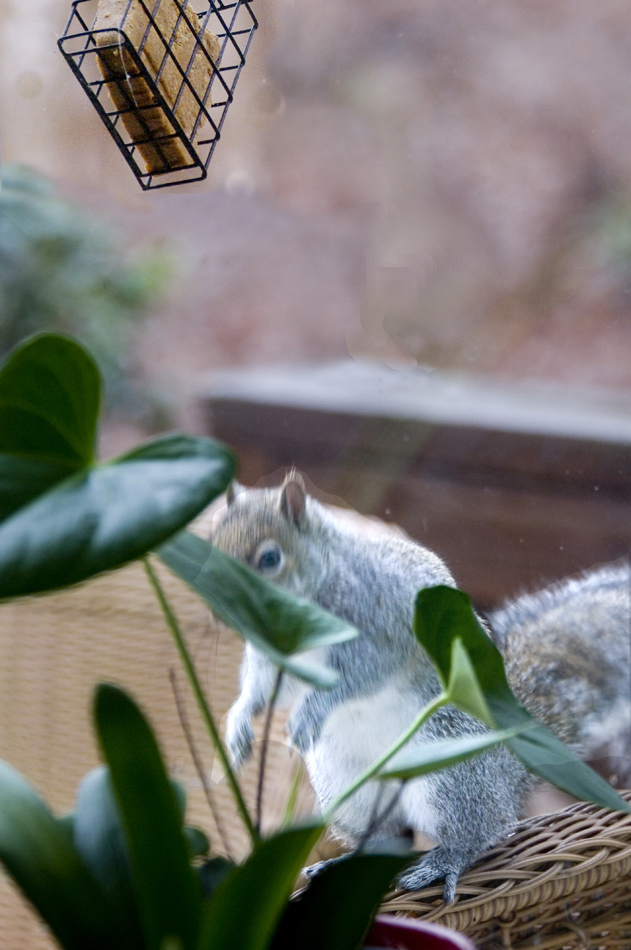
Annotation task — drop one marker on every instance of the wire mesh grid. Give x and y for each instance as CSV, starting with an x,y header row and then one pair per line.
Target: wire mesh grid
x,y
161,76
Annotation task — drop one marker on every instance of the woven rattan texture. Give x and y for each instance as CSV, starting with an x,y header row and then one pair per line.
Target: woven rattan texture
x,y
561,881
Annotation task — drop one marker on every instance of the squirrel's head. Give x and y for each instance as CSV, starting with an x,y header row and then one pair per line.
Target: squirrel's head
x,y
272,531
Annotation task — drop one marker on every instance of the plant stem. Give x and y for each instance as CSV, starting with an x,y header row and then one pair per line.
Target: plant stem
x,y
378,820
266,734
372,770
372,821
294,789
199,766
204,708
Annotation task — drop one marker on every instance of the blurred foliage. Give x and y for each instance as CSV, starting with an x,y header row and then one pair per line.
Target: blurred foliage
x,y
611,225
63,269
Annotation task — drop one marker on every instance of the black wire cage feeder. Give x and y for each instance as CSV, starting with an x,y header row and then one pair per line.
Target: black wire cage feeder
x,y
161,76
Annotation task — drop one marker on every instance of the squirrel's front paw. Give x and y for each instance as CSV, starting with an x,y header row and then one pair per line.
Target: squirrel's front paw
x,y
314,869
437,865
305,723
239,738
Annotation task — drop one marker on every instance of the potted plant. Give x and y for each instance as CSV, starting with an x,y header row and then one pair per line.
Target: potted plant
x,y
124,870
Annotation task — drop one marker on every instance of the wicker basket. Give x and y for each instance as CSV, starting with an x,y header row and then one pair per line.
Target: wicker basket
x,y
561,881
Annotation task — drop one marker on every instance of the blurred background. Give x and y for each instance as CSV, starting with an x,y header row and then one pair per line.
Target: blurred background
x,y
408,186
415,181
432,196
416,186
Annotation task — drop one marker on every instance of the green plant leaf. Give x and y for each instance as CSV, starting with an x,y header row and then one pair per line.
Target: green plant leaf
x,y
337,909
245,909
197,840
107,515
274,621
49,403
66,823
99,838
21,480
36,850
463,687
50,392
443,614
168,894
212,872
63,518
431,756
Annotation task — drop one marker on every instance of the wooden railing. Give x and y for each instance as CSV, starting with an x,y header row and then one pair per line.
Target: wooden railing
x,y
513,484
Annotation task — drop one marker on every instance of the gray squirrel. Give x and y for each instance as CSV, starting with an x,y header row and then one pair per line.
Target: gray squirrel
x,y
567,654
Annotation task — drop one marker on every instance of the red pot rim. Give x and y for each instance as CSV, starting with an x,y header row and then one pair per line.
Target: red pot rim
x,y
388,931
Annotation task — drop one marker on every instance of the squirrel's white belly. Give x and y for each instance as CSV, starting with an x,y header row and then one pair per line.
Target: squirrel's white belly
x,y
354,735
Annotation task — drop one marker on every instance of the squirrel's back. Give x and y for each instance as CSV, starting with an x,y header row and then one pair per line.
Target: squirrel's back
x,y
567,652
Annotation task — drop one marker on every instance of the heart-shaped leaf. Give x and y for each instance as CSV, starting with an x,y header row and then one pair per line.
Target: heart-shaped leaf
x,y
274,621
49,403
107,515
443,614
168,894
64,518
50,391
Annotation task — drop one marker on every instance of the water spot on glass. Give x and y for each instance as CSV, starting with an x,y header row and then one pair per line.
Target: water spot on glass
x,y
240,183
268,99
29,84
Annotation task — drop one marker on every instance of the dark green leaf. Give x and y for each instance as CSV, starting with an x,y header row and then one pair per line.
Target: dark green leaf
x,y
546,756
107,515
22,480
99,838
442,614
212,872
431,756
66,823
337,908
246,907
274,621
180,797
198,843
168,894
49,402
37,853
463,687
197,840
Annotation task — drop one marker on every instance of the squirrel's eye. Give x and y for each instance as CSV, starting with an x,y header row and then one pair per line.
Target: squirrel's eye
x,y
268,557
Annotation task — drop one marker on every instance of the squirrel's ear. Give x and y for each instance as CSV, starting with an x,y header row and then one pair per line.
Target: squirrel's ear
x,y
293,498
